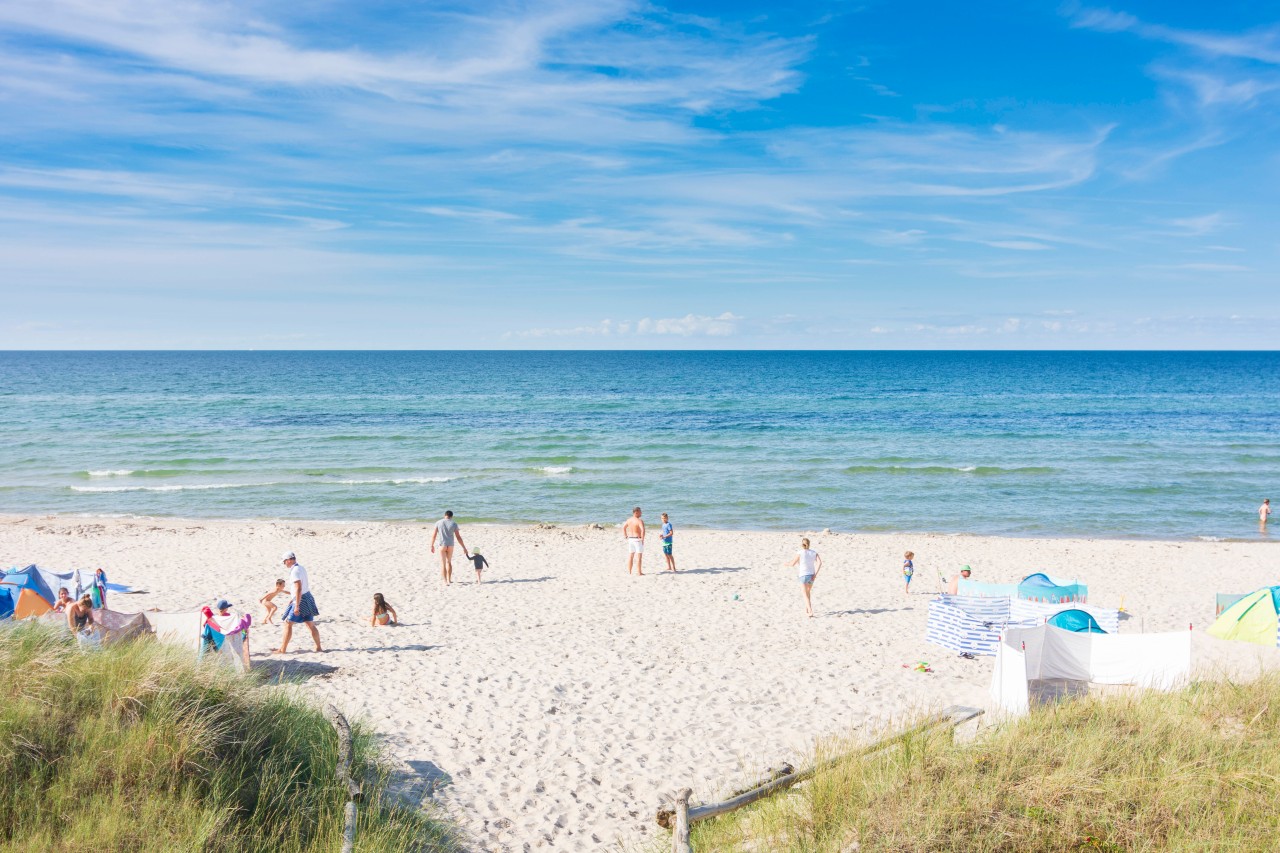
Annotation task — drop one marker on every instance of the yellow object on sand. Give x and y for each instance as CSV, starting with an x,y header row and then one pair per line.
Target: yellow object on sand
x,y
1252,619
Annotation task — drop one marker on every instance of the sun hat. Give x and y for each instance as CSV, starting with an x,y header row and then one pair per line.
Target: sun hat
x,y
965,568
287,555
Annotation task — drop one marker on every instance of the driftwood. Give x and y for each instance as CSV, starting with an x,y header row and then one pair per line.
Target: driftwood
x,y
680,835
343,729
952,716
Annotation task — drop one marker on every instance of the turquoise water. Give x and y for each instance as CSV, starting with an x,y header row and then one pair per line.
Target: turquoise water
x,y
1108,444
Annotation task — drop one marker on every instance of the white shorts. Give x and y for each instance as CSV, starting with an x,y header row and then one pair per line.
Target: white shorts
x,y
635,545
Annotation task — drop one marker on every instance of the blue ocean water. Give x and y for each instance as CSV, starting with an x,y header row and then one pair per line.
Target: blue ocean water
x,y
1166,445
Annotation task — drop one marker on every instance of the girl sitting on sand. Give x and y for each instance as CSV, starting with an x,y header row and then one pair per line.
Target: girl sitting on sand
x,y
268,600
64,600
383,613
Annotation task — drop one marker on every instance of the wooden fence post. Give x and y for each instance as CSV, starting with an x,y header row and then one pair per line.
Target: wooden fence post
x,y
343,770
680,835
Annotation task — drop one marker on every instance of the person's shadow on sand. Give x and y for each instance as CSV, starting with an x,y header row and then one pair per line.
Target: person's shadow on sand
x,y
282,669
417,647
870,611
711,570
516,580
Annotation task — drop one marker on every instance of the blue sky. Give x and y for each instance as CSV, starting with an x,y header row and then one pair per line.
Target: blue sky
x,y
608,174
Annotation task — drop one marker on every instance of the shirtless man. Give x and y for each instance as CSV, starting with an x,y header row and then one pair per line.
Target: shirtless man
x,y
633,531
447,530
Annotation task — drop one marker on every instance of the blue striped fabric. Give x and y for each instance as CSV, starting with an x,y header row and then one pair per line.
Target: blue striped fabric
x,y
973,624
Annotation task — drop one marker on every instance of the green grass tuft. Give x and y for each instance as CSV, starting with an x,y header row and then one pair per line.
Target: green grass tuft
x,y
138,748
1196,770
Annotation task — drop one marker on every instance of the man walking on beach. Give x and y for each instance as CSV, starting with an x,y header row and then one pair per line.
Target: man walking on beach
x,y
668,537
633,532
447,530
301,609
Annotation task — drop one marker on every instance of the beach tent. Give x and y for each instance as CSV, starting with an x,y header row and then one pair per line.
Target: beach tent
x,y
1075,620
29,593
1050,662
1051,590
1039,587
1225,600
1253,619
972,624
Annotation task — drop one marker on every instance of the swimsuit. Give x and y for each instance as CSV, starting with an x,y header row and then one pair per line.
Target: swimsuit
x,y
382,618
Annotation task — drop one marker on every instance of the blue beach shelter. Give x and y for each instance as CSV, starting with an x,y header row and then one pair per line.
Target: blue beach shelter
x,y
1076,620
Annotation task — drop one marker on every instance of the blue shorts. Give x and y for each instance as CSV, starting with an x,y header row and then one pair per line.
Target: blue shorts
x,y
807,580
666,548
305,613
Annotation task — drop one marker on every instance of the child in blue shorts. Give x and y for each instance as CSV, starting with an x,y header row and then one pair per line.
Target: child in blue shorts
x,y
908,569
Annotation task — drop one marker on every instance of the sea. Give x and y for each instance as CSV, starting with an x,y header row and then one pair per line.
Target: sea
x,y
1179,445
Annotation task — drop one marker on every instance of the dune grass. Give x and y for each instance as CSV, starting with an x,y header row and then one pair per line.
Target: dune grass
x,y
139,748
1196,770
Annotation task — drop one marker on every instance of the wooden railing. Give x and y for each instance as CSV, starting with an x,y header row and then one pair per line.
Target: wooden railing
x,y
679,816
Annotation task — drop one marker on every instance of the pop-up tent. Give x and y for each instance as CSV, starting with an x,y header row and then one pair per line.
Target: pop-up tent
x,y
1076,620
1255,618
28,592
1039,586
1050,661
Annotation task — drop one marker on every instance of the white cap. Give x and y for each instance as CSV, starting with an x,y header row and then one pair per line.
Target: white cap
x,y
287,555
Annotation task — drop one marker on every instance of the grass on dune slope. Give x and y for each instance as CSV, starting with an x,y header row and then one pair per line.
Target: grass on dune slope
x,y
1196,770
139,748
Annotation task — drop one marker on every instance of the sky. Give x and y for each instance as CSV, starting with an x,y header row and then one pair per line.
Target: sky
x,y
201,174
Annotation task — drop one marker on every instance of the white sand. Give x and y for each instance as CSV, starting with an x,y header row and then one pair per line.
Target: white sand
x,y
549,708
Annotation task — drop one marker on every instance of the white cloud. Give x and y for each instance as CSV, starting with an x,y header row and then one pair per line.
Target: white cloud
x,y
690,325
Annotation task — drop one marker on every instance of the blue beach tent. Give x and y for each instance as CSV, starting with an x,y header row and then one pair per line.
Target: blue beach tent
x,y
1076,620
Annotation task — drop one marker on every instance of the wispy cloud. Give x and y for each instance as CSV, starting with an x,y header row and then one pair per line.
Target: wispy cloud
x,y
691,325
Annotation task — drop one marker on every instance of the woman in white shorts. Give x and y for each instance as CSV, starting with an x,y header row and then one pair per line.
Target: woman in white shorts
x,y
810,564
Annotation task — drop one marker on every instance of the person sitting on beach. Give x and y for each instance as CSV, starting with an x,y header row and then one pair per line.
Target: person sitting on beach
x,y
383,613
965,571
908,569
64,600
479,563
810,564
269,600
80,615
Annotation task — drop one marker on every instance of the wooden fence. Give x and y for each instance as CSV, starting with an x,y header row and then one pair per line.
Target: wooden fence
x,y
680,816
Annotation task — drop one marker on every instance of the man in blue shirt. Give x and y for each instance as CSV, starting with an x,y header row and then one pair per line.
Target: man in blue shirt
x,y
668,532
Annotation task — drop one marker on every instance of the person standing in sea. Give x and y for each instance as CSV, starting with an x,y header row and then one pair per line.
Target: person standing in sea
x,y
447,531
301,609
633,533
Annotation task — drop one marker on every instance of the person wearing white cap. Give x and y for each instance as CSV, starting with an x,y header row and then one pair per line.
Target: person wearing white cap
x,y
301,608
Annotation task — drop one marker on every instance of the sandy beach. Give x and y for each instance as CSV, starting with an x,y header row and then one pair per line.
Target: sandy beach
x,y
552,706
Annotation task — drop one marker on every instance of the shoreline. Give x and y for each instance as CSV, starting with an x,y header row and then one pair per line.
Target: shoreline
x,y
558,700
1259,539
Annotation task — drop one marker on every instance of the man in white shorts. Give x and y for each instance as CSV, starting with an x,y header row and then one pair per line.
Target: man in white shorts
x,y
633,531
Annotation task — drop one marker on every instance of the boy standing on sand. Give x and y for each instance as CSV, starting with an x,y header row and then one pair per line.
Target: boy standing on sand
x,y
668,535
908,569
447,530
633,533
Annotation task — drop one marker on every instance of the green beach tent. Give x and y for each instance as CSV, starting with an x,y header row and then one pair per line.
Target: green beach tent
x,y
1253,619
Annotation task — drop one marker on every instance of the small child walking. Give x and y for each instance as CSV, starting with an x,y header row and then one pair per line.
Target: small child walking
x,y
383,613
269,600
479,562
908,569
